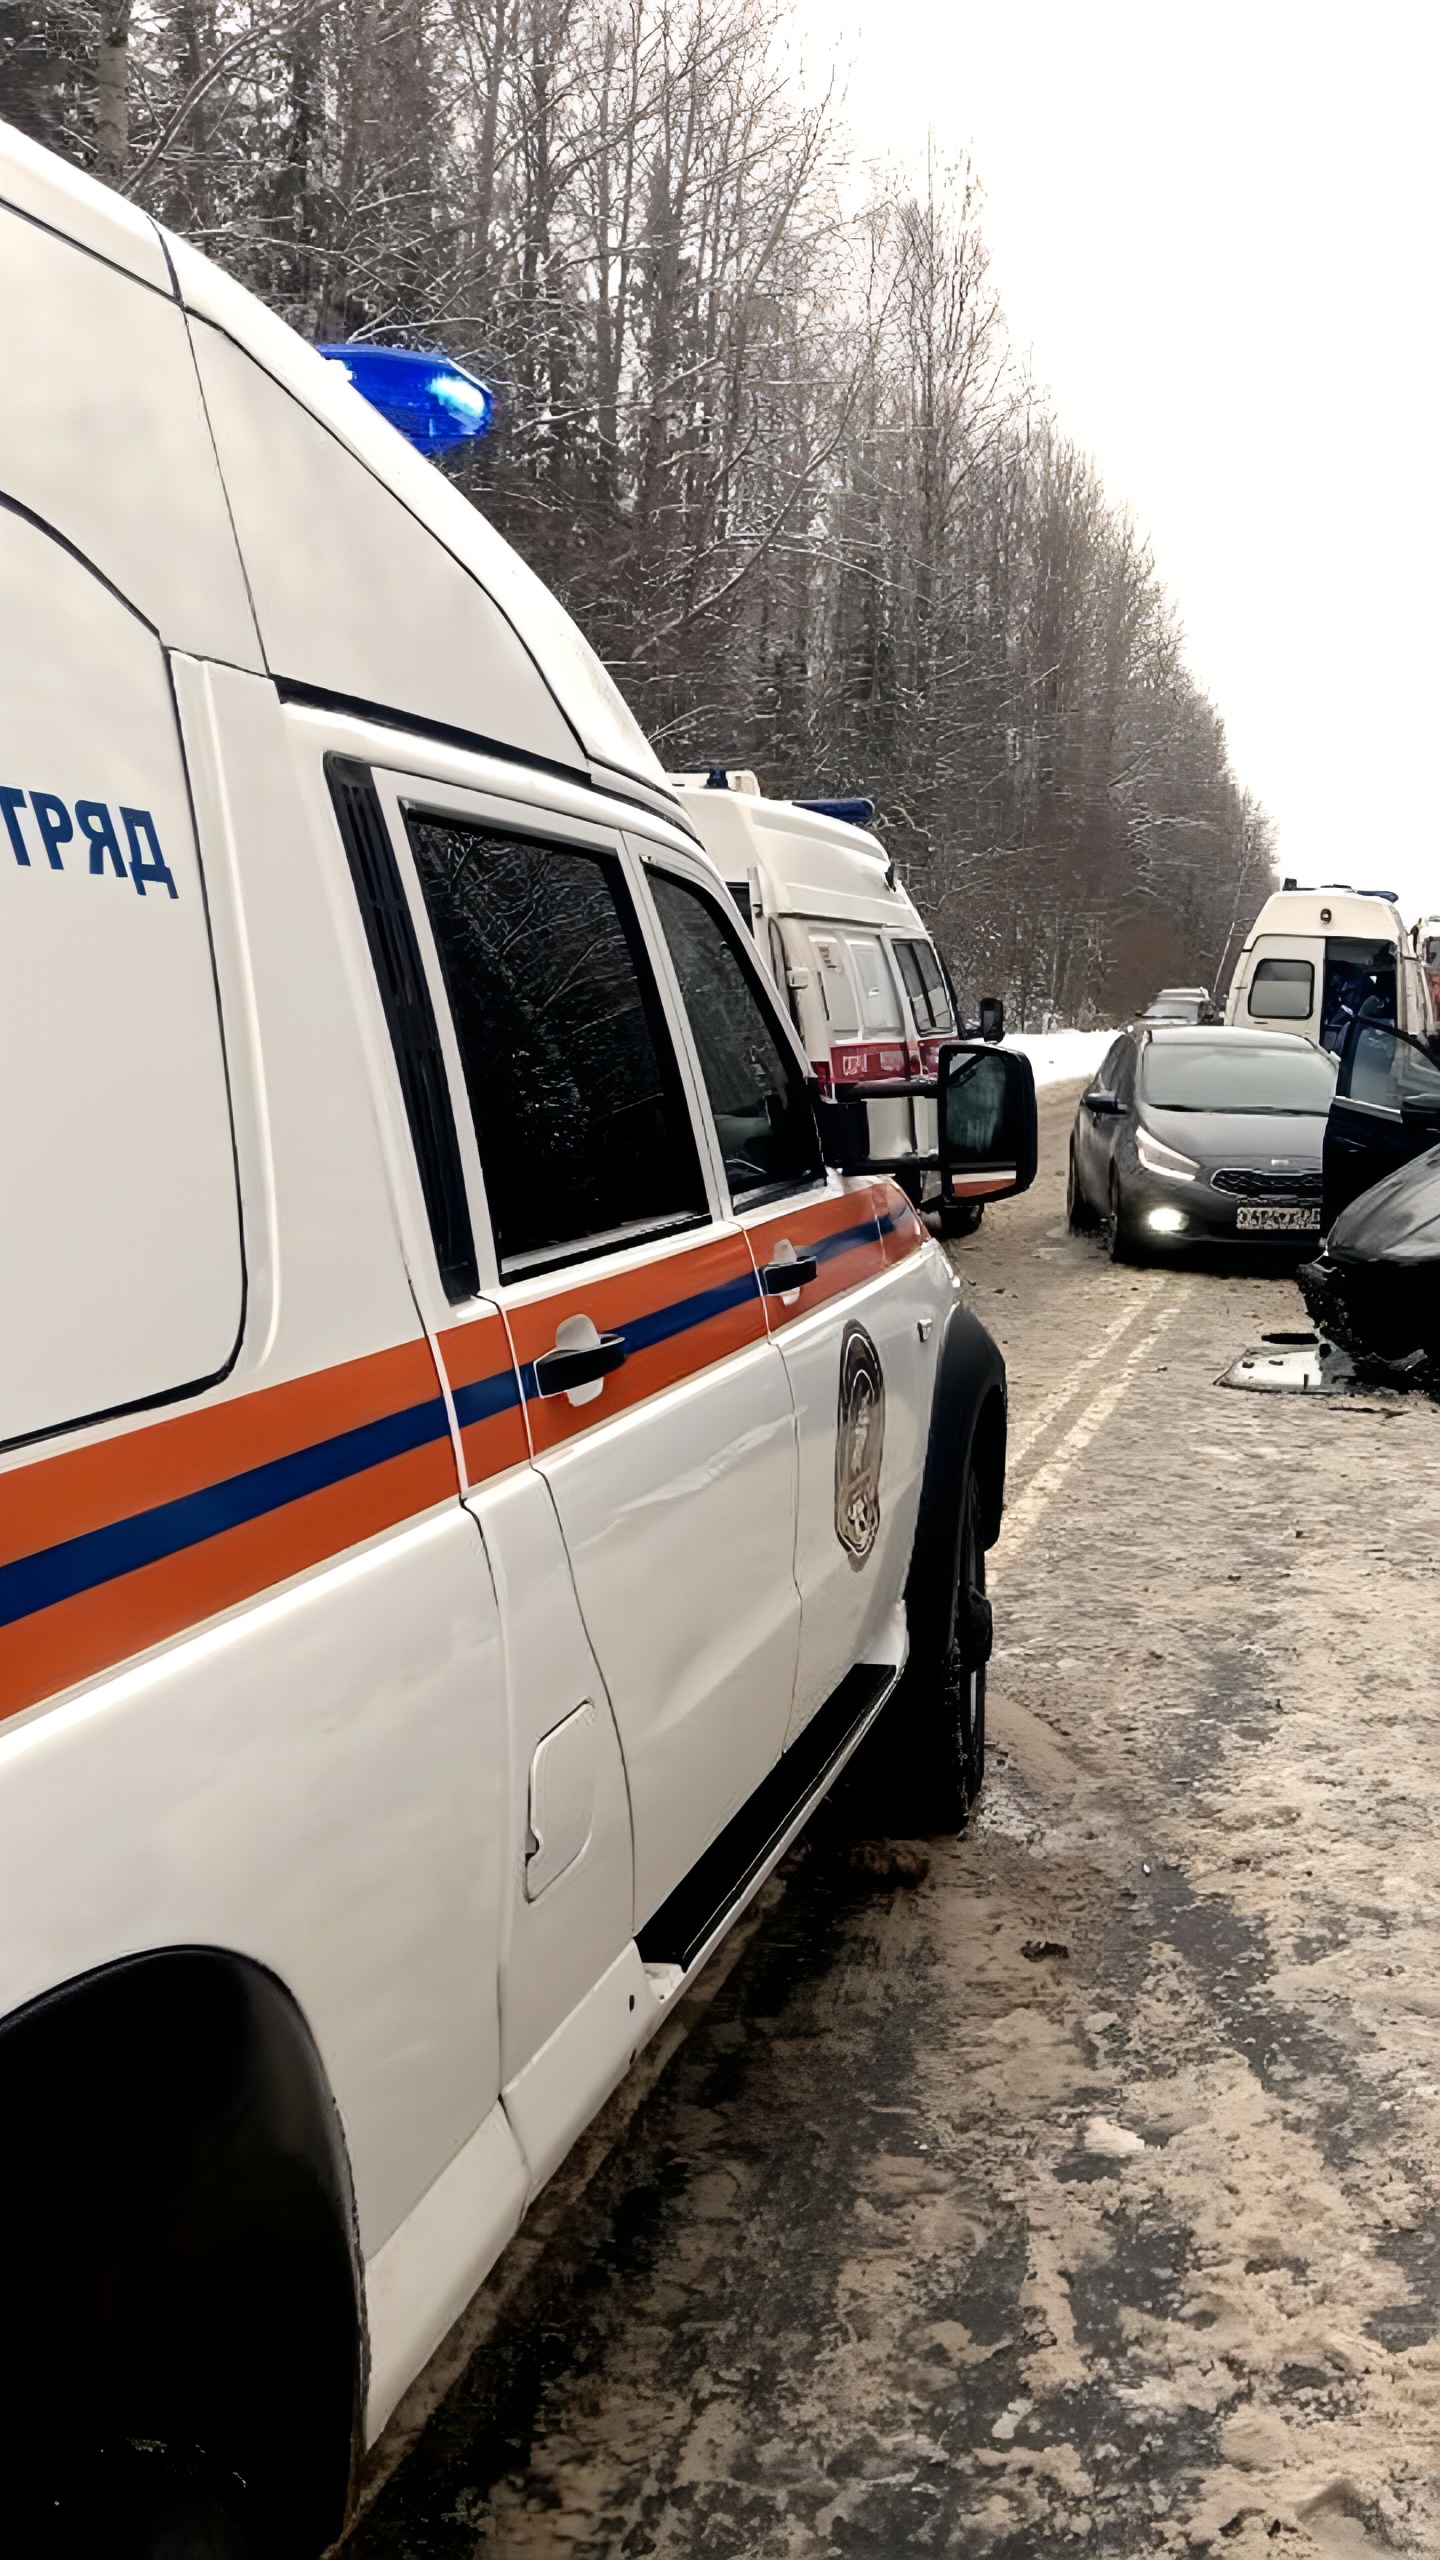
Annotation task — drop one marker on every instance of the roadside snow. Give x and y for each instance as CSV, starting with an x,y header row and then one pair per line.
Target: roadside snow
x,y
1056,1055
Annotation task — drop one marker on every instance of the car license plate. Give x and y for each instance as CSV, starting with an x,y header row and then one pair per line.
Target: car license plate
x,y
1288,1222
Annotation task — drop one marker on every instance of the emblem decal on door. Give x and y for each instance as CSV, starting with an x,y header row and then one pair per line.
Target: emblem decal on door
x,y
859,1440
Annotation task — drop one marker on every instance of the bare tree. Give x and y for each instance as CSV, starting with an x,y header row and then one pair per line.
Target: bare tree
x,y
779,461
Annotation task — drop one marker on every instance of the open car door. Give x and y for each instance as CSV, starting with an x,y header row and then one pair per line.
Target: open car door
x,y
1386,1109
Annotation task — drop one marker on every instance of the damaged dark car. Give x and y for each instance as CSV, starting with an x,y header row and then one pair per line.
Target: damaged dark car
x,y
1375,1290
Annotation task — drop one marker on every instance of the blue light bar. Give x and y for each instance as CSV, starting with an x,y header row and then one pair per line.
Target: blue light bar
x,y
856,813
434,403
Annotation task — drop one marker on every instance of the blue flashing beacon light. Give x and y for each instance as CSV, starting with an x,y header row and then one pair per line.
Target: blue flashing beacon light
x,y
434,403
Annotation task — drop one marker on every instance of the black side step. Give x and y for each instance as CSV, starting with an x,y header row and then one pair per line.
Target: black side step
x,y
690,1916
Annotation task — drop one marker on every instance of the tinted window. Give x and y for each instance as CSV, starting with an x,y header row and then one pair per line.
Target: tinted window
x,y
925,986
1199,1075
1283,990
581,1123
1384,1068
1108,1076
757,1092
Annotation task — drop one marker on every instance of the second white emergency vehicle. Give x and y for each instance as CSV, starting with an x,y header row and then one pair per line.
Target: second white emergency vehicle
x,y
1315,959
869,995
481,1441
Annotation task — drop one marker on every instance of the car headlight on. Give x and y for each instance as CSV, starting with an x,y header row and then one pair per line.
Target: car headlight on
x,y
1156,1157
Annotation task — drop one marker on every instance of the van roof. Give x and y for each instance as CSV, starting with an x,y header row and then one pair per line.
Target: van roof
x,y
1202,1035
1352,913
37,183
815,865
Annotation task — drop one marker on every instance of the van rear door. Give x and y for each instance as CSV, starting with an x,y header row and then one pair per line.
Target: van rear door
x,y
1283,989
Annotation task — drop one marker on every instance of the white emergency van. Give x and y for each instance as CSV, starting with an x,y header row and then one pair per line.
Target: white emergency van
x,y
1316,958
869,994
482,1440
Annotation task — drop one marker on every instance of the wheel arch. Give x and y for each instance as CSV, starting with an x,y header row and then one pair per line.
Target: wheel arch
x,y
967,1429
180,2235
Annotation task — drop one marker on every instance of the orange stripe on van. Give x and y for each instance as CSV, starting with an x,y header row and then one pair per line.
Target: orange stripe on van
x,y
902,1229
45,1499
98,1629
842,1230
485,1391
680,1313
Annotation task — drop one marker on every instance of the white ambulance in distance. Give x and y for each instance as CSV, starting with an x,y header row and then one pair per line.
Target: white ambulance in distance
x,y
474,1465
1314,957
867,990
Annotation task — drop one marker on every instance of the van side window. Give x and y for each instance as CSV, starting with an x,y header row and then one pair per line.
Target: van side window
x,y
833,979
1282,990
584,1135
878,1001
757,1092
925,986
121,1273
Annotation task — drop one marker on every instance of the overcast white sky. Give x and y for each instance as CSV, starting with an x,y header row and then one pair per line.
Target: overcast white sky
x,y
1214,229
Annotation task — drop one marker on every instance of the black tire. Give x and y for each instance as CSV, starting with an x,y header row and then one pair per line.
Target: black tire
x,y
936,1722
1079,1216
960,1217
142,2501
1119,1242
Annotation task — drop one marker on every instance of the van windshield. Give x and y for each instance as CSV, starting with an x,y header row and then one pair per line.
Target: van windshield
x,y
925,986
1204,1075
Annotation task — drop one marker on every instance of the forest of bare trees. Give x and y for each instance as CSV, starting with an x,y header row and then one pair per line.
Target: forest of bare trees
x,y
759,424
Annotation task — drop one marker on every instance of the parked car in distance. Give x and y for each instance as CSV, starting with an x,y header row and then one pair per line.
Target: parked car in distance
x,y
1316,959
1375,1290
1201,1135
1180,1004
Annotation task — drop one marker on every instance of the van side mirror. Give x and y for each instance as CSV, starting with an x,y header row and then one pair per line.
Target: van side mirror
x,y
988,1127
1104,1104
992,1017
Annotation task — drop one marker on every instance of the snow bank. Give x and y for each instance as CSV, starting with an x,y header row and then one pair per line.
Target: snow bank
x,y
1058,1055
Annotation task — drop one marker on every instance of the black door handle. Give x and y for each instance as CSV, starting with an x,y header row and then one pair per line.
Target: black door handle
x,y
558,1371
777,1279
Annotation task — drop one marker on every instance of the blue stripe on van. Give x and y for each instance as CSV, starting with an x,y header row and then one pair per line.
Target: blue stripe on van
x,y
123,1546
642,1333
483,1398
844,1240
